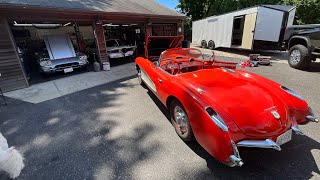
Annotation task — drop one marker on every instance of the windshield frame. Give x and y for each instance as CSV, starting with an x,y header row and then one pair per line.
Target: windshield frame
x,y
181,49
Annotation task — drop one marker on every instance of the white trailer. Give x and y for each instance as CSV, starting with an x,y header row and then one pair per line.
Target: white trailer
x,y
256,28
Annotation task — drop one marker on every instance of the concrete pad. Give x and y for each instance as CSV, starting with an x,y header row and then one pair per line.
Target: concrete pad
x,y
36,93
64,86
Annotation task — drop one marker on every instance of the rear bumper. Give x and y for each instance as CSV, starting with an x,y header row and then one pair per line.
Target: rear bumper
x,y
268,144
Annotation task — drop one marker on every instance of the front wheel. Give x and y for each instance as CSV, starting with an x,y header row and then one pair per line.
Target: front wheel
x,y
180,121
299,57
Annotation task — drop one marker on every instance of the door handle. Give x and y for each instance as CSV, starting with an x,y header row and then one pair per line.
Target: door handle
x,y
160,81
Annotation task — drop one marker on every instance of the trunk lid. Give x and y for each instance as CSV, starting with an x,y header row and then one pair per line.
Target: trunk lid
x,y
249,103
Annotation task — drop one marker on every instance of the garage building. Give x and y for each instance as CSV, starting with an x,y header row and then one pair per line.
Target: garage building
x,y
26,22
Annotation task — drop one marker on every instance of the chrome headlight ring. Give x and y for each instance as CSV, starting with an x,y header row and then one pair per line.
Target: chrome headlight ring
x,y
83,58
46,63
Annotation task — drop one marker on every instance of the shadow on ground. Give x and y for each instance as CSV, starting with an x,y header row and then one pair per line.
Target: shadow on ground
x,y
294,161
75,136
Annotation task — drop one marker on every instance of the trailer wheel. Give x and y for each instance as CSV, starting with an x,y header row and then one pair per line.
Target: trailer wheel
x,y
204,44
299,57
211,45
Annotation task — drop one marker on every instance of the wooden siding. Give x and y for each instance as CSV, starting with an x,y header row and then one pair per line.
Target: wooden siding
x,y
12,76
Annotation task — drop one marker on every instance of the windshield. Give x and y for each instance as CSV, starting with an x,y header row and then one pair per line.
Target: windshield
x,y
182,53
112,43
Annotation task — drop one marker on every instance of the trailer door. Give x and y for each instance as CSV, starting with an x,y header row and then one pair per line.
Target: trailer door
x,y
269,23
248,31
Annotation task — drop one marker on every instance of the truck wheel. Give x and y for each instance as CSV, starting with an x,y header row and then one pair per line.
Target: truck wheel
x,y
204,44
299,57
211,45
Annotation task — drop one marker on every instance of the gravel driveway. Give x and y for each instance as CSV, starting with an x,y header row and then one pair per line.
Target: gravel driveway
x,y
120,130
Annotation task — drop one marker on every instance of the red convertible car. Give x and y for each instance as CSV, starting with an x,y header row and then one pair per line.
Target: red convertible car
x,y
221,107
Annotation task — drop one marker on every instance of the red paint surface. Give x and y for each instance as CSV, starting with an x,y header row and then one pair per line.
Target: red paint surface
x,y
244,101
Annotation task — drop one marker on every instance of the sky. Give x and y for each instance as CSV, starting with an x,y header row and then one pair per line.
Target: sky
x,y
169,3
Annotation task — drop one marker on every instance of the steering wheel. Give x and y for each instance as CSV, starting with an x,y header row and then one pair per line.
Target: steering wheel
x,y
170,66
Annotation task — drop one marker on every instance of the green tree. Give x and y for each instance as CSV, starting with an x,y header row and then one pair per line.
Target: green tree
x,y
307,10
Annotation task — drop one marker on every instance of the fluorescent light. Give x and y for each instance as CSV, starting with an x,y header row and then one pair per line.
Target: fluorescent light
x,y
67,24
36,25
110,25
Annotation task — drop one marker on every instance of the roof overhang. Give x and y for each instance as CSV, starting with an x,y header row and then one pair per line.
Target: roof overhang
x,y
24,12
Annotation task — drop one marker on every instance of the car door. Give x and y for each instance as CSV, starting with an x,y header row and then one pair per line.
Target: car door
x,y
163,83
155,78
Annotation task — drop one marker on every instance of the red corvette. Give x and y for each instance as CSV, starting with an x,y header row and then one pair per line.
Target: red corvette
x,y
221,107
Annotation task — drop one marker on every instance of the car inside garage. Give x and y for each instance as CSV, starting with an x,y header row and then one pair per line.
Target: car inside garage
x,y
50,40
64,42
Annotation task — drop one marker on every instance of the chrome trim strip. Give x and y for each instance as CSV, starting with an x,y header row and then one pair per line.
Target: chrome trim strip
x,y
268,143
297,130
312,119
222,125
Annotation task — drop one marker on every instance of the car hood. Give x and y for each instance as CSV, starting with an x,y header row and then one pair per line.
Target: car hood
x,y
247,101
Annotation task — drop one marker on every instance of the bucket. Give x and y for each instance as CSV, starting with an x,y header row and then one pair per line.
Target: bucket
x,y
106,66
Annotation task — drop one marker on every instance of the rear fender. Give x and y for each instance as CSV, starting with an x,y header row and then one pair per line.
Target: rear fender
x,y
213,139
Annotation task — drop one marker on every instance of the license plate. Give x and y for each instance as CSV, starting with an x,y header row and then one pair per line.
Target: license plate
x,y
67,70
284,138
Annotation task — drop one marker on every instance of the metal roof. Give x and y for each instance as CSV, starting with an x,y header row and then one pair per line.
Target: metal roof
x,y
280,7
149,7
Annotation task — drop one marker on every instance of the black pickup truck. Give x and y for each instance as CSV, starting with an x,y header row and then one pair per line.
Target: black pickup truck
x,y
303,44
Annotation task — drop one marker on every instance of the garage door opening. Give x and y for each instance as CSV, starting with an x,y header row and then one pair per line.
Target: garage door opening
x,y
124,42
53,50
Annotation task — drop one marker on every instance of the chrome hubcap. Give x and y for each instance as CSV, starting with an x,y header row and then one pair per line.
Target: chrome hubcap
x,y
181,119
295,56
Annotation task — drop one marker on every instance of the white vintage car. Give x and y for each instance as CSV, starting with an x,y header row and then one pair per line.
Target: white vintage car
x,y
116,49
59,55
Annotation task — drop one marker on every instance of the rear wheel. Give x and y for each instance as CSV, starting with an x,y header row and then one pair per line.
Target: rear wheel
x,y
299,57
211,45
180,121
204,44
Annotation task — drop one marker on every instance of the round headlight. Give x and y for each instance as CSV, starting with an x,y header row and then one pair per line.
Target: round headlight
x,y
45,63
217,119
292,92
83,57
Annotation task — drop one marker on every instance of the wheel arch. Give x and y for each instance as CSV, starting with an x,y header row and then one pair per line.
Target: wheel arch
x,y
295,40
170,99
